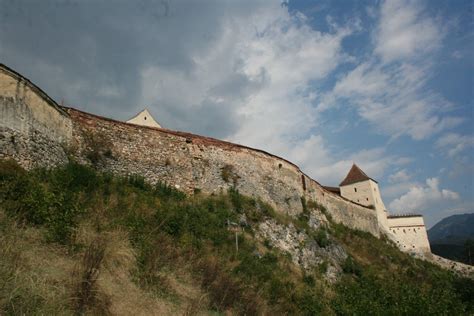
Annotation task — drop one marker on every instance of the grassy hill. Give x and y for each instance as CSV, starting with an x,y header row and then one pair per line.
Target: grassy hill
x,y
76,241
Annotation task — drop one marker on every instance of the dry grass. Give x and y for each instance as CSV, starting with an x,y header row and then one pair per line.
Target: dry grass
x,y
44,278
32,272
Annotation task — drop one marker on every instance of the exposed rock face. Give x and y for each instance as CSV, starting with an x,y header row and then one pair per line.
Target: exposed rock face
x,y
303,249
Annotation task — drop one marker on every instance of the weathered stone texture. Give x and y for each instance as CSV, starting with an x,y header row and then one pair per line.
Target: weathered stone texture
x,y
303,249
191,162
32,129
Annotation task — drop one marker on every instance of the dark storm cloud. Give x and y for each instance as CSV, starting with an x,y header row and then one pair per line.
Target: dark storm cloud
x,y
92,53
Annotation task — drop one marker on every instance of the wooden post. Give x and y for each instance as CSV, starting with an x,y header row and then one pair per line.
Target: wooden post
x,y
236,242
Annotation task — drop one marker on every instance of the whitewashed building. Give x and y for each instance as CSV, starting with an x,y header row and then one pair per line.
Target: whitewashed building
x,y
407,231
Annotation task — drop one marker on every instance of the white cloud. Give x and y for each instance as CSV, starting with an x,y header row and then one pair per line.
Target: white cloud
x,y
399,176
453,144
393,99
315,157
260,71
404,31
393,96
421,197
457,54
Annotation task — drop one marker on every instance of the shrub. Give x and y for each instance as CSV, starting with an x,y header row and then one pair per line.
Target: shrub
x,y
98,147
167,192
351,266
321,237
86,294
138,181
229,175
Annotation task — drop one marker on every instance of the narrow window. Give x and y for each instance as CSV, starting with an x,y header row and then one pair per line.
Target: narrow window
x,y
367,199
355,189
303,180
145,118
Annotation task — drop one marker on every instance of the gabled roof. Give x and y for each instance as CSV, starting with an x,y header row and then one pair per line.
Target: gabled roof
x,y
144,118
355,175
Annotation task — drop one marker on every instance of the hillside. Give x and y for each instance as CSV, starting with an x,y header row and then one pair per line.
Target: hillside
x,y
453,237
77,241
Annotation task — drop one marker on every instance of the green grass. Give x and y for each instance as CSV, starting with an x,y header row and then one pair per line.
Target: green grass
x,y
170,233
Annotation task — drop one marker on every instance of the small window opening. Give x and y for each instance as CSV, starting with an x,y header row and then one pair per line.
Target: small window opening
x,y
280,165
145,118
404,231
303,180
367,199
355,189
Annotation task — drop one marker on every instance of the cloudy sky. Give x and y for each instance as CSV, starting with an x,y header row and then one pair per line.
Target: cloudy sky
x,y
385,84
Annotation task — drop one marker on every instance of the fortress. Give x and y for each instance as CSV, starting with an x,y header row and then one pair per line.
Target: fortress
x,y
37,132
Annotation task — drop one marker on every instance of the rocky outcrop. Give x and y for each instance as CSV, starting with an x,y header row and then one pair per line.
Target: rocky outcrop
x,y
303,248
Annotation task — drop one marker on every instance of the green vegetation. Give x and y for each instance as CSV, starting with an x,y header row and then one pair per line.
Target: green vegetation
x,y
229,175
75,241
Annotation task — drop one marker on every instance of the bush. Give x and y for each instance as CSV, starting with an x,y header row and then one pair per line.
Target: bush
x,y
165,191
321,237
229,175
351,266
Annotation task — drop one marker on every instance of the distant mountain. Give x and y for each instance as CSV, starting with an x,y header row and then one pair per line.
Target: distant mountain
x,y
448,237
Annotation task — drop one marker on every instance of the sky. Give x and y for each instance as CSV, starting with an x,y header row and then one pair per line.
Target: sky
x,y
387,85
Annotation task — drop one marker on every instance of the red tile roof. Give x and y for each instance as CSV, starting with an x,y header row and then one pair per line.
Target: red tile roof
x,y
355,175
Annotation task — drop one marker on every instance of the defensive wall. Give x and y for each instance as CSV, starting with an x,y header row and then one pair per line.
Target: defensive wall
x,y
190,162
409,232
37,132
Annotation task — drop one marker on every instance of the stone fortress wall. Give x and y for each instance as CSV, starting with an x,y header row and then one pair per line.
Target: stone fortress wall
x,y
191,162
409,232
35,131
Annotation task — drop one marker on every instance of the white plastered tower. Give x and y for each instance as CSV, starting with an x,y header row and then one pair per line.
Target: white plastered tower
x,y
361,189
407,231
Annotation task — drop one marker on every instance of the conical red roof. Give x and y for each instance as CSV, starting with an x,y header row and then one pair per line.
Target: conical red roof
x,y
355,175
